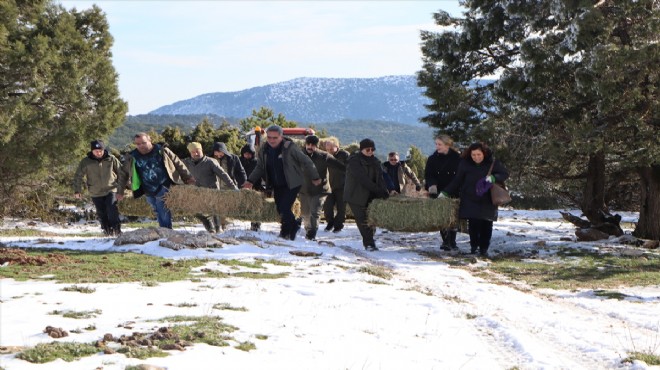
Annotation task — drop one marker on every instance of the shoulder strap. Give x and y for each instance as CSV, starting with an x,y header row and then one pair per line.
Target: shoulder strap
x,y
491,167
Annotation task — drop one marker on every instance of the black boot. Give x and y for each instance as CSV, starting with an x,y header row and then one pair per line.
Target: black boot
x,y
451,234
444,234
329,227
255,226
311,234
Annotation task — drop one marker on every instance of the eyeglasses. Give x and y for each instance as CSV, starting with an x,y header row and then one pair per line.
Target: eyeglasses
x,y
370,149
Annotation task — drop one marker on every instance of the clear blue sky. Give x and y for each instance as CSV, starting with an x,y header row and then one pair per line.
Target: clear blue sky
x,y
167,51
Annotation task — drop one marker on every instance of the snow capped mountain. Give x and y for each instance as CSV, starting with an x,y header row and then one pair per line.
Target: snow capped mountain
x,y
317,100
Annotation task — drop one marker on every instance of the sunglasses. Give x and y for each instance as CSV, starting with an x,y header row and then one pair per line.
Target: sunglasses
x,y
370,149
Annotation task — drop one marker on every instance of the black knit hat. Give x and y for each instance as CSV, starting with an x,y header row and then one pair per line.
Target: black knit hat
x,y
220,147
367,143
97,144
312,139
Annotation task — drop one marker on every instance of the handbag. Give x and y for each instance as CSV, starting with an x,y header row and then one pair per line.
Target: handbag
x,y
499,195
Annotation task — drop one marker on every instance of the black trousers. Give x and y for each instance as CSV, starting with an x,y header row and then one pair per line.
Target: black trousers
x,y
284,199
367,232
335,199
480,233
106,210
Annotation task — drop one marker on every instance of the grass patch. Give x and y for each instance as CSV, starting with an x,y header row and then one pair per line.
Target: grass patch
x,y
610,294
142,353
470,316
79,289
650,358
77,314
186,304
261,336
377,271
26,233
47,352
581,270
260,275
376,281
229,307
200,329
246,346
101,267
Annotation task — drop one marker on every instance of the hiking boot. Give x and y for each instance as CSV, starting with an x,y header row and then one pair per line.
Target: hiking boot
x,y
473,250
255,226
311,234
329,227
337,229
444,247
371,248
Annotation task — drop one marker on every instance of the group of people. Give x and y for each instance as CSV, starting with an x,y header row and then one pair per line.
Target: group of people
x,y
324,181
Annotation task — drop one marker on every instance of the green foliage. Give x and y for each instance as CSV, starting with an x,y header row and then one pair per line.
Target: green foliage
x,y
263,118
417,162
47,352
576,102
59,91
142,353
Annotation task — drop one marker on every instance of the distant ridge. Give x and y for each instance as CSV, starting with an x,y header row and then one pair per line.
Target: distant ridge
x,y
317,100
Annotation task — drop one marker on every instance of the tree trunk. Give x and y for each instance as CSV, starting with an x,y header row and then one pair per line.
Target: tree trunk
x,y
593,198
648,226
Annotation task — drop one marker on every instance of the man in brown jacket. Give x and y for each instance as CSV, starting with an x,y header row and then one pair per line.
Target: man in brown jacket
x,y
100,169
207,171
151,169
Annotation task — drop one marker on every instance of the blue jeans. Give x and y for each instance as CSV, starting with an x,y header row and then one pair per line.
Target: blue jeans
x,y
157,203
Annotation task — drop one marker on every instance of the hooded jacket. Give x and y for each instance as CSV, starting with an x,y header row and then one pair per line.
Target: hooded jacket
x,y
364,180
207,171
294,161
101,174
234,166
323,162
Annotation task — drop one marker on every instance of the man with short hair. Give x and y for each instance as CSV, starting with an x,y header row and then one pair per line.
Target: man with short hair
x,y
281,163
207,172
312,196
101,170
151,169
399,173
230,163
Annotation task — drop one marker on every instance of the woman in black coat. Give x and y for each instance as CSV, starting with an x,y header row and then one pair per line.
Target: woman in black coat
x,y
440,170
364,183
478,210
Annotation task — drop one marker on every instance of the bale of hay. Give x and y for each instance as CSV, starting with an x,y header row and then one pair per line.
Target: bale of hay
x,y
247,205
139,207
413,214
188,199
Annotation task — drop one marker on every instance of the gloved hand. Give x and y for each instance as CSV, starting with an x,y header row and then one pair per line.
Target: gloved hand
x,y
418,187
443,195
433,189
490,179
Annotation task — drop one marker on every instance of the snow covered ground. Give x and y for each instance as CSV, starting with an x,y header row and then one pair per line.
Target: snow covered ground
x,y
329,314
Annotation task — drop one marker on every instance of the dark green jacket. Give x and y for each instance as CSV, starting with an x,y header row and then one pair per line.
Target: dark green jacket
x,y
101,175
323,162
364,180
207,171
338,175
295,162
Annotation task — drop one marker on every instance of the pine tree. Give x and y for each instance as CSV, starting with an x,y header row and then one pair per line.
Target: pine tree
x,y
58,91
575,100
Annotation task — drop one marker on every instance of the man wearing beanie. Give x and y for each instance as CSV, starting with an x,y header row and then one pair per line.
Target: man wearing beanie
x,y
230,163
281,164
312,196
364,182
101,171
207,171
151,169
